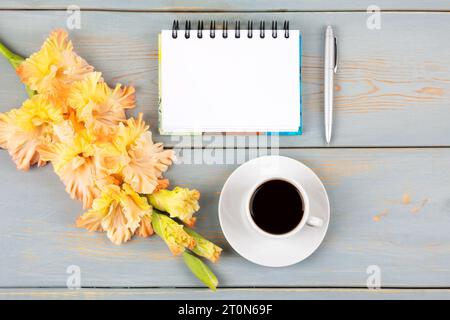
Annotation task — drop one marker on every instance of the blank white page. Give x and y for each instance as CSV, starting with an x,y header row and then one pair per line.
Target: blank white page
x,y
229,85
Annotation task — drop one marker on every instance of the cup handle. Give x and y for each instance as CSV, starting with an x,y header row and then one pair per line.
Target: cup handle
x,y
314,222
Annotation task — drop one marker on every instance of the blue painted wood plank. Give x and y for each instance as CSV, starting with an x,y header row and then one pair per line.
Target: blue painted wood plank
x,y
231,294
394,91
393,85
390,208
231,5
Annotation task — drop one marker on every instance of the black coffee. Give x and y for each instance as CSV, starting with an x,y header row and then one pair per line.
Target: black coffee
x,y
276,206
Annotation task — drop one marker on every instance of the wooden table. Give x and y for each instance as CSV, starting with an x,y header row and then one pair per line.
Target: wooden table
x,y
387,172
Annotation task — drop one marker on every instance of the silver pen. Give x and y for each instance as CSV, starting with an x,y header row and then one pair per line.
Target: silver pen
x,y
329,71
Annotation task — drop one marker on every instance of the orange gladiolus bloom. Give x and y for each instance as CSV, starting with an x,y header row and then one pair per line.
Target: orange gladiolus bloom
x,y
54,67
23,130
99,107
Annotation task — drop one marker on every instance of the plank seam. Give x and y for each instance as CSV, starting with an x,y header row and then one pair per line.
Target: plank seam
x,y
381,148
313,148
227,10
228,288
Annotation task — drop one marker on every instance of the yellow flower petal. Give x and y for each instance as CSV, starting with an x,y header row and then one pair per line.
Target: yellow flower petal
x,y
110,160
39,111
6,128
23,130
99,107
162,184
125,214
145,228
79,179
74,162
204,247
71,145
54,67
120,212
180,203
130,132
176,238
92,219
116,226
22,147
146,160
135,157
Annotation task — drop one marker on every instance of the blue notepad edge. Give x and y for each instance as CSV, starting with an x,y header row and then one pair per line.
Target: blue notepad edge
x,y
300,129
288,133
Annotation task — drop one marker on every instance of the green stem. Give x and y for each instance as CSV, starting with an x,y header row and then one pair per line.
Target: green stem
x,y
200,270
15,60
195,265
29,91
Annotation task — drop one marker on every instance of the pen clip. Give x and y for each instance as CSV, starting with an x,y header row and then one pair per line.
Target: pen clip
x,y
335,55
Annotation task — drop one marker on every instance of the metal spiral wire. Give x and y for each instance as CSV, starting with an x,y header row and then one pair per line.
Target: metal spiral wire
x,y
237,29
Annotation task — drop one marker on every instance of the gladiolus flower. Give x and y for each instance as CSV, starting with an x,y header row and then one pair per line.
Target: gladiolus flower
x,y
99,107
23,130
204,247
134,155
73,161
180,203
162,184
118,211
145,228
176,238
54,67
78,123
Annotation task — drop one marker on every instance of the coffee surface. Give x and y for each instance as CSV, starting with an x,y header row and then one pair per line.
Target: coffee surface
x,y
276,207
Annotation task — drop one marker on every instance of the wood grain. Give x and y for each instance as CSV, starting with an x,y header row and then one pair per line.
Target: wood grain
x,y
229,5
408,241
390,207
231,294
393,84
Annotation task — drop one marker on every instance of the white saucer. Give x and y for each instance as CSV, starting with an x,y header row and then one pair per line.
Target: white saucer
x,y
253,245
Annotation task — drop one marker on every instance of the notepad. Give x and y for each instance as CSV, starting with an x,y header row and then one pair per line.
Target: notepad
x,y
233,84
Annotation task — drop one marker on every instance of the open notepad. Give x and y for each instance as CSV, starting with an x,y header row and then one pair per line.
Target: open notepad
x,y
230,84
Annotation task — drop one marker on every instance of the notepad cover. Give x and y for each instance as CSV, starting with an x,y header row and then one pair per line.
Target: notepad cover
x,y
230,85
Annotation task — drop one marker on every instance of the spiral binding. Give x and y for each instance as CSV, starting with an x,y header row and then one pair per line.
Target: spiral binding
x,y
237,29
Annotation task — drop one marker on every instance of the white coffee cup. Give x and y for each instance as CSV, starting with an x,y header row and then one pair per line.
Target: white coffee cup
x,y
306,220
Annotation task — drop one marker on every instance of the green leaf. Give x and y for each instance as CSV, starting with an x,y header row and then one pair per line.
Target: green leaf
x,y
156,223
200,270
203,247
173,233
